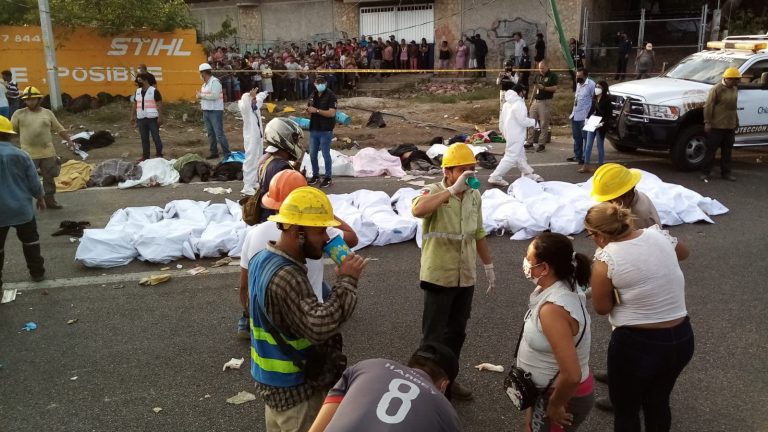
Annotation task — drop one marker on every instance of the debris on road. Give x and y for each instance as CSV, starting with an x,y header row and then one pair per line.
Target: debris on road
x,y
74,378
233,364
223,262
72,321
179,266
157,409
490,367
218,190
241,398
29,326
165,269
9,296
155,279
197,270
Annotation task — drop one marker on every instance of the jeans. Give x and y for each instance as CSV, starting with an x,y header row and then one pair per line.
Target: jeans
x,y
303,85
321,140
149,126
600,146
577,130
30,245
214,125
719,139
446,313
643,365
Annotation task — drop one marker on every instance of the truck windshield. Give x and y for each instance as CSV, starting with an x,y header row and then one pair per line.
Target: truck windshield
x,y
706,68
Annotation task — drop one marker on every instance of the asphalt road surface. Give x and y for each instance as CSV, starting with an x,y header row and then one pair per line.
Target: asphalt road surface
x,y
136,348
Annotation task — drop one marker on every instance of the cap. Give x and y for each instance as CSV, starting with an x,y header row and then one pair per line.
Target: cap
x,y
440,355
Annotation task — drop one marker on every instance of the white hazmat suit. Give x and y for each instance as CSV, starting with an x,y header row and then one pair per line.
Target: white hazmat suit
x,y
513,123
253,135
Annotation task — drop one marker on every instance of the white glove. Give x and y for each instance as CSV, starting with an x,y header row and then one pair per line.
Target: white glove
x,y
491,276
461,183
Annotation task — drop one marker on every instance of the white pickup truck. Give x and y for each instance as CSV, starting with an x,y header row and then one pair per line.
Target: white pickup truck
x,y
666,112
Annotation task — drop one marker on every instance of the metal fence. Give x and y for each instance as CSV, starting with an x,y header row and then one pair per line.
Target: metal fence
x,y
673,34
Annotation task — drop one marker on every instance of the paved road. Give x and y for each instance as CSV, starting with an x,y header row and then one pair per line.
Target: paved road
x,y
136,348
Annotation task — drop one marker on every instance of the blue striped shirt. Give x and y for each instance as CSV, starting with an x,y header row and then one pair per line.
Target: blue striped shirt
x,y
20,184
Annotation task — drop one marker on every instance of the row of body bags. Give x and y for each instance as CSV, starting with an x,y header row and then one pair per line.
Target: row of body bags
x,y
191,229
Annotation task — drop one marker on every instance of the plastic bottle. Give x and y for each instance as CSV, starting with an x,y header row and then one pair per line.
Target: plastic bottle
x,y
473,182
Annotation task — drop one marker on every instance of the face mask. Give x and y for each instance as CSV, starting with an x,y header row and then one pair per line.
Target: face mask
x,y
649,48
580,80
320,87
598,91
527,268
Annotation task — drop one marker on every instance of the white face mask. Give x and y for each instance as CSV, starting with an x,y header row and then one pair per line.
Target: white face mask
x,y
527,268
598,91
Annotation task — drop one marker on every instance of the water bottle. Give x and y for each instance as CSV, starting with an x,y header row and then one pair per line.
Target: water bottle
x,y
473,183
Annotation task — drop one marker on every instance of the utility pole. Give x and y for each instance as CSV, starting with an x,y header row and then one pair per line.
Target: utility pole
x,y
49,46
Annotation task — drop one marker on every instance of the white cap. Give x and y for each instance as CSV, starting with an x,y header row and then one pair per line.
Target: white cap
x,y
204,67
271,149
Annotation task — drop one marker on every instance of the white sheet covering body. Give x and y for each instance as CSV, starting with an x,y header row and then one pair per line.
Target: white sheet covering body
x,y
369,162
342,165
154,172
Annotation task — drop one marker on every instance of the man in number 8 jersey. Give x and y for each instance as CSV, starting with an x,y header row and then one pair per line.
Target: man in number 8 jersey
x,y
380,395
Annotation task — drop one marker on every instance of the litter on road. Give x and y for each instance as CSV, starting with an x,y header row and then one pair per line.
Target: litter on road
x,y
241,398
223,262
490,367
155,279
72,321
157,409
29,326
218,190
9,296
234,363
197,270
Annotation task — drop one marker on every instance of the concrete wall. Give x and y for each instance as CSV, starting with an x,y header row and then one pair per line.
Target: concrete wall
x,y
347,18
296,20
212,14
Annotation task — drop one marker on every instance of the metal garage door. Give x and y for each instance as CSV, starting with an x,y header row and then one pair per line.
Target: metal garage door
x,y
411,22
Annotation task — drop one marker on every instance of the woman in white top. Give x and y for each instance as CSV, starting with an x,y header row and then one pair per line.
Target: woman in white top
x,y
555,344
638,283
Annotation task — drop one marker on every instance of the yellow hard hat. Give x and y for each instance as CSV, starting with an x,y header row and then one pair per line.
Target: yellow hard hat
x,y
31,93
458,154
306,206
6,126
732,72
613,180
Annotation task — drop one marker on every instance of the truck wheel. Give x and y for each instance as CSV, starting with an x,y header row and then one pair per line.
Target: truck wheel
x,y
620,147
690,149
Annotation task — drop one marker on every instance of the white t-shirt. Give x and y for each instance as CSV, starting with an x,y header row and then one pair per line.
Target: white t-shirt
x,y
536,354
256,240
648,278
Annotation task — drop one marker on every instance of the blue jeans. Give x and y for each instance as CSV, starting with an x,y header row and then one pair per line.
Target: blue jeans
x,y
320,140
303,89
577,129
643,366
214,125
149,126
600,146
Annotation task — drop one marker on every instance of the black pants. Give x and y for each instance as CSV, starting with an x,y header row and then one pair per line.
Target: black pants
x,y
719,139
30,245
643,365
446,312
149,126
621,67
481,65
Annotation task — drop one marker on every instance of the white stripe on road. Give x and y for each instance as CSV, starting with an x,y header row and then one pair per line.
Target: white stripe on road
x,y
112,279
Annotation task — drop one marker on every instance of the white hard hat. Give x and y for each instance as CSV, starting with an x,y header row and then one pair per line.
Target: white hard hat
x,y
204,67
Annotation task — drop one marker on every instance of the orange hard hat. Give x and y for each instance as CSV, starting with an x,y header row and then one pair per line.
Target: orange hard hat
x,y
282,184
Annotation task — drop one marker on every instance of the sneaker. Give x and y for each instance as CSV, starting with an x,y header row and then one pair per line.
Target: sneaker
x,y
326,182
540,148
527,146
604,404
212,156
459,392
313,180
243,332
37,277
571,159
498,182
601,376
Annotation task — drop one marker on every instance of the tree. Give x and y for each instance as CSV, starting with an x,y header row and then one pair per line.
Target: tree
x,y
106,16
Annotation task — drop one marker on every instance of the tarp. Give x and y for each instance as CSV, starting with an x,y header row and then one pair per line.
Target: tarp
x,y
74,175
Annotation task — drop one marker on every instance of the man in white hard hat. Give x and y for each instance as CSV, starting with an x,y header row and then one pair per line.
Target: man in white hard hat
x,y
212,103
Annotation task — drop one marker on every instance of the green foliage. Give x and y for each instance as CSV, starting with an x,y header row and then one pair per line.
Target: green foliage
x,y
106,16
227,31
747,22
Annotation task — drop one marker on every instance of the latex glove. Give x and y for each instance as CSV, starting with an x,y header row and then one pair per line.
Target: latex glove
x,y
461,183
491,276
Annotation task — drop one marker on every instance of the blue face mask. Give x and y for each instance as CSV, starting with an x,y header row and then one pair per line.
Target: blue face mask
x,y
320,87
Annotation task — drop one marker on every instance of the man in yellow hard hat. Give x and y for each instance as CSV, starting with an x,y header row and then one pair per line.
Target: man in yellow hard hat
x,y
720,123
20,184
34,125
295,341
616,183
453,238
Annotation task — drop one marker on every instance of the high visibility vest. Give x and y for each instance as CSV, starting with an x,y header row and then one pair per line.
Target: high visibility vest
x,y
146,106
209,89
269,364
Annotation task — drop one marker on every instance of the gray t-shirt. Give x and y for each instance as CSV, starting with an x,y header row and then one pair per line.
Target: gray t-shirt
x,y
381,395
292,68
644,211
